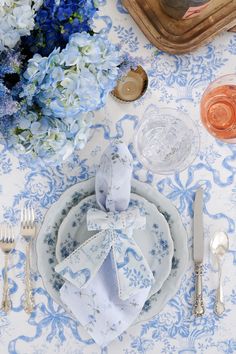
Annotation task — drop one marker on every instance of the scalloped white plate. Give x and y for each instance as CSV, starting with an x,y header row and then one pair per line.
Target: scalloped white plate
x,y
155,241
47,239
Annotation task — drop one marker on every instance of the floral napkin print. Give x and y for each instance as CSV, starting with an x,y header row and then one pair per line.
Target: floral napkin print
x,y
129,271
116,237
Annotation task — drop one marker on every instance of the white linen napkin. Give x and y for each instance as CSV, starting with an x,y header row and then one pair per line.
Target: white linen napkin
x,y
99,308
107,278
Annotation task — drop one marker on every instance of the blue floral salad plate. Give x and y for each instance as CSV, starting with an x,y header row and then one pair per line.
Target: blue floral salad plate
x,y
155,241
48,236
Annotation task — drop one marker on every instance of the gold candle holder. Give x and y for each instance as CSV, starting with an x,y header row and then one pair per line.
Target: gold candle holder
x,y
132,86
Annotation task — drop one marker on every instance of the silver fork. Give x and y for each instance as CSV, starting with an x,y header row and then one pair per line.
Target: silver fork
x,y
28,232
7,243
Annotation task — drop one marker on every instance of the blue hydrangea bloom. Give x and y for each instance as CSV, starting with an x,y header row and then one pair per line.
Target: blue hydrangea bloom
x,y
74,80
51,84
54,23
10,62
59,94
128,63
41,137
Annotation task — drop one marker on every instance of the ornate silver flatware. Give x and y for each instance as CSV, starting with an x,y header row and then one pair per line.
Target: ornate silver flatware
x,y
219,246
198,251
7,243
28,232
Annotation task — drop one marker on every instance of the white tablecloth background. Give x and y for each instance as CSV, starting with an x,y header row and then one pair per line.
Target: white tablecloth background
x,y
174,81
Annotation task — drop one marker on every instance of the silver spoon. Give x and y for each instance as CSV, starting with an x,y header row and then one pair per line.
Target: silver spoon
x,y
219,246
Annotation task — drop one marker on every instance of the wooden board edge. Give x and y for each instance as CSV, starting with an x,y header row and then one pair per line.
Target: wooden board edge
x,y
233,29
162,43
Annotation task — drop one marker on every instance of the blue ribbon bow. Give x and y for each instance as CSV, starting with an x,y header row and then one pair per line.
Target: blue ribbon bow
x,y
116,230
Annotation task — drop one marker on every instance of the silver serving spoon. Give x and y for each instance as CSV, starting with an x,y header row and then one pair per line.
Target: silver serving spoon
x,y
219,246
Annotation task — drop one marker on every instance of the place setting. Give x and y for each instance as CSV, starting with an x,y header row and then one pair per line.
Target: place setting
x,y
117,176
111,245
114,245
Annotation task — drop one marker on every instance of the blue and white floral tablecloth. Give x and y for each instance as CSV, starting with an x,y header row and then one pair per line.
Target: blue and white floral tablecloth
x,y
176,81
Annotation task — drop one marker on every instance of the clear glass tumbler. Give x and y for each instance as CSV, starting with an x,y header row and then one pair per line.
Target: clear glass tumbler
x,y
166,140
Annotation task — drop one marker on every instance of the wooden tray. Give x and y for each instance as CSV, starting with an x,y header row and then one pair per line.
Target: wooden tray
x,y
181,36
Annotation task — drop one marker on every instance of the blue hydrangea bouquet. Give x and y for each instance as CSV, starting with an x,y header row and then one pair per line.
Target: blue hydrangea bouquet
x,y
54,73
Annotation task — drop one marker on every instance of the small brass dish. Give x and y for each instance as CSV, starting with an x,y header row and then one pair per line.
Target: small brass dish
x,y
132,86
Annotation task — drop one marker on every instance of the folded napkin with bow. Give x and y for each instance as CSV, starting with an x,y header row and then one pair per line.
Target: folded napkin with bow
x,y
107,278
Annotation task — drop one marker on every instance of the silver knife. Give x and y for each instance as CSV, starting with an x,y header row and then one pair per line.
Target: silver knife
x,y
198,251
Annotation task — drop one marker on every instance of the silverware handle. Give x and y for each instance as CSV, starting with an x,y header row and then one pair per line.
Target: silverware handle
x,y
219,304
198,306
6,302
29,300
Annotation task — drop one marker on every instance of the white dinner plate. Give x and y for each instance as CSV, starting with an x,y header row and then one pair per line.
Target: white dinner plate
x,y
155,241
47,239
